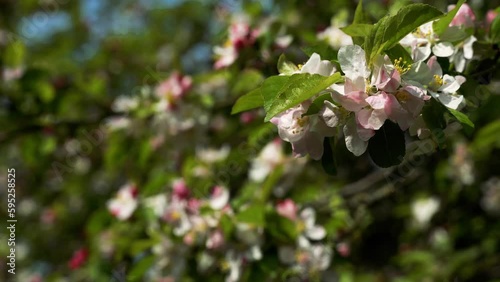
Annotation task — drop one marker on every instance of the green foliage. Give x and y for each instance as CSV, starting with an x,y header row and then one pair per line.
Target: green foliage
x,y
391,29
251,100
441,25
282,93
495,30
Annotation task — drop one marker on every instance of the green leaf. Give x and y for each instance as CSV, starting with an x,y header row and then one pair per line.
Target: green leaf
x,y
283,229
359,14
285,66
442,24
387,146
397,52
15,54
318,103
254,214
298,88
247,80
391,29
323,49
486,139
270,89
226,225
249,101
138,271
495,30
327,160
432,113
453,34
462,118
355,30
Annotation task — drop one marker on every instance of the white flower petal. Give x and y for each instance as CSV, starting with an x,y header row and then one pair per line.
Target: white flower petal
x,y
330,114
443,49
468,50
353,62
316,232
452,101
353,143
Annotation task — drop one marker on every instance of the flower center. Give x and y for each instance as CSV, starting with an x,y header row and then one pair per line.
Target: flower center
x,y
436,82
401,66
403,96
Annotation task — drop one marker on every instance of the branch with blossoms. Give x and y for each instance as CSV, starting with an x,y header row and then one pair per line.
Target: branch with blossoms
x,y
402,75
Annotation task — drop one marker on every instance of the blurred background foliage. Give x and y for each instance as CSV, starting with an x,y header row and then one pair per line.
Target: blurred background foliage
x,y
65,62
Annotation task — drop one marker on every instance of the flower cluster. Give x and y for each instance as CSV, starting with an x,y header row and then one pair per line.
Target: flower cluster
x,y
379,90
455,43
240,35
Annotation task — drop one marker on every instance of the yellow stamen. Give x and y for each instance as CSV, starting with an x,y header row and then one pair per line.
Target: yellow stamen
x,y
402,66
403,96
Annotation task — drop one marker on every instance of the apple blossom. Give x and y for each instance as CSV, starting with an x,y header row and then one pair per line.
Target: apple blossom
x,y
125,202
287,208
268,159
424,209
444,87
335,37
219,198
171,90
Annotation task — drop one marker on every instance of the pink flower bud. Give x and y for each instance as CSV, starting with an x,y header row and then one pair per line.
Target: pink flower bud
x,y
78,259
180,189
490,16
247,117
189,239
464,17
287,208
193,205
344,249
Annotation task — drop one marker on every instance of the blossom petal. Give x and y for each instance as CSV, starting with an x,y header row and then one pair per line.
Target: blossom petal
x,y
316,232
353,142
443,49
352,62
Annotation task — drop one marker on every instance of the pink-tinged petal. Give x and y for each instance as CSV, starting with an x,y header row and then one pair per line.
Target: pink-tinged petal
x,y
365,134
219,198
377,102
377,119
416,91
315,145
386,82
354,85
275,120
287,208
299,148
180,189
398,114
434,66
363,117
215,240
490,16
353,101
464,17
